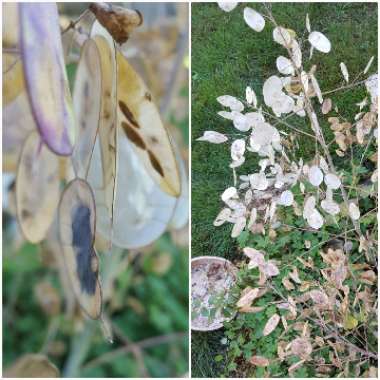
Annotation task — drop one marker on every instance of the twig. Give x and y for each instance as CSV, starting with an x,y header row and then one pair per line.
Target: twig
x,y
344,340
146,343
72,24
280,121
344,87
51,334
80,345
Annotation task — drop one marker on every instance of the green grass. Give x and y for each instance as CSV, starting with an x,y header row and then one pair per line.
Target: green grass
x,y
226,57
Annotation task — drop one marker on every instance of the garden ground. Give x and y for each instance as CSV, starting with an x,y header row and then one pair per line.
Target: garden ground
x,y
226,57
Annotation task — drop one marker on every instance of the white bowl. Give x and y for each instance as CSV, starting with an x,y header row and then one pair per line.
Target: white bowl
x,y
221,275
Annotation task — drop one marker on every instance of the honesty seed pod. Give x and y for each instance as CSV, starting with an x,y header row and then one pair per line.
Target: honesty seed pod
x,y
76,218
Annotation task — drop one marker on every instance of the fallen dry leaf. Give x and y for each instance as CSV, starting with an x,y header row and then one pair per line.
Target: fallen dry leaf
x,y
271,324
259,361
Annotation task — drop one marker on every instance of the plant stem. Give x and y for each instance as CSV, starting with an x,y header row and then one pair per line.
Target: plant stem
x,y
146,343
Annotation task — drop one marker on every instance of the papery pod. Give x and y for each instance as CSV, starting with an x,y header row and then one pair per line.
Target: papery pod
x,y
10,37
37,188
108,115
45,75
320,42
87,97
30,366
140,120
227,6
76,219
119,21
181,212
142,209
17,117
13,78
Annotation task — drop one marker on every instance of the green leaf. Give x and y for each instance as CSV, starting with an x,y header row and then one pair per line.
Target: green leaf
x,y
350,322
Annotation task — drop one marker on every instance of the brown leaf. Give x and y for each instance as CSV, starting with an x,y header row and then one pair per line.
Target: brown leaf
x,y
247,297
295,366
287,283
270,269
301,347
368,277
326,106
271,324
294,275
256,257
305,285
319,297
251,309
259,361
281,350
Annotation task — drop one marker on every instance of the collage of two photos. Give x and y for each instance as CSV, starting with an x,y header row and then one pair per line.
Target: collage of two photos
x,y
189,189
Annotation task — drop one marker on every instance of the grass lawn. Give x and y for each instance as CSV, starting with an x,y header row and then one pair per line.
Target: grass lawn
x,y
226,57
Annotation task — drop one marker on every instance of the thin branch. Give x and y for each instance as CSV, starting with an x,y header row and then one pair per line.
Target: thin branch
x,y
143,344
279,121
72,24
344,87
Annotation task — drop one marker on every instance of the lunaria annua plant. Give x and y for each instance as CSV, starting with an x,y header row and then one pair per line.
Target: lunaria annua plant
x,y
320,193
252,201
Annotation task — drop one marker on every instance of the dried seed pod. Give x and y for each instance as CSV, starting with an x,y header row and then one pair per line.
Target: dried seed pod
x,y
227,6
181,212
119,21
87,97
140,120
76,218
107,123
320,42
45,75
37,188
142,209
254,19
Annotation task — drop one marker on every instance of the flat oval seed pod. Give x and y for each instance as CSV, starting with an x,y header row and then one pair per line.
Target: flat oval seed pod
x,y
37,188
17,118
181,211
10,24
87,100
45,75
142,209
13,78
76,218
140,120
107,122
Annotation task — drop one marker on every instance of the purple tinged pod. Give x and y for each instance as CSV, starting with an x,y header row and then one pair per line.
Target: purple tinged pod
x,y
76,218
45,75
